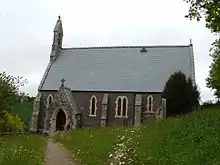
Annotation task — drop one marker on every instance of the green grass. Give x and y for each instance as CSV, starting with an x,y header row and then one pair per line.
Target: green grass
x,y
191,139
91,146
22,149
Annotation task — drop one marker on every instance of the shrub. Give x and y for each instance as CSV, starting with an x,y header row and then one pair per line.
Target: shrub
x,y
11,123
182,96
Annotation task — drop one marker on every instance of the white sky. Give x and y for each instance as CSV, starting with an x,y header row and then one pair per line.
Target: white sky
x,y
26,31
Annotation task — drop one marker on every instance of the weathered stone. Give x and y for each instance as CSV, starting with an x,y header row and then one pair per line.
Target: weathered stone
x,y
104,110
36,109
138,103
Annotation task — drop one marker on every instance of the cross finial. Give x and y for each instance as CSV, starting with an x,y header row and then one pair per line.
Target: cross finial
x,y
62,81
59,17
190,41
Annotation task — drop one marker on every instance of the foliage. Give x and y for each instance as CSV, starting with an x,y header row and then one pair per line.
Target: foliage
x,y
211,11
208,8
9,90
24,111
213,80
22,150
210,104
182,96
11,123
190,139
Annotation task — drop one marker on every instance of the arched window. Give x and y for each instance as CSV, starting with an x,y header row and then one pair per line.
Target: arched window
x,y
124,108
49,100
150,103
121,108
93,106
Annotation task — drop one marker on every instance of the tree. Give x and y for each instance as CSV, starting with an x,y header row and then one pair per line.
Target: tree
x,y
9,90
182,96
213,80
210,9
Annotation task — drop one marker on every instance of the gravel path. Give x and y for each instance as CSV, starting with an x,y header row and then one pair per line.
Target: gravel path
x,y
56,155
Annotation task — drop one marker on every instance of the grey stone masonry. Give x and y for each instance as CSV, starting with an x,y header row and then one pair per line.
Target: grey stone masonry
x,y
65,103
104,110
161,111
36,109
164,107
138,103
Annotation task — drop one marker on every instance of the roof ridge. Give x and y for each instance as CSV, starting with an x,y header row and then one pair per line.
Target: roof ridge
x,y
110,47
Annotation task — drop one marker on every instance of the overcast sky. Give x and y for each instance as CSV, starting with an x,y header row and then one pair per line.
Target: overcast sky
x,y
26,31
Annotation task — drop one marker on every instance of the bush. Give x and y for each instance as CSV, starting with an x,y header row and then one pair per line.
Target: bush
x,y
210,104
11,123
182,96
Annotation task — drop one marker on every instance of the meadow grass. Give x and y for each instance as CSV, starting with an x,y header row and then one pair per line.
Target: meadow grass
x,y
22,149
190,139
90,146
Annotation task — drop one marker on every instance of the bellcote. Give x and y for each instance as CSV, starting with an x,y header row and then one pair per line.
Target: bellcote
x,y
58,34
57,39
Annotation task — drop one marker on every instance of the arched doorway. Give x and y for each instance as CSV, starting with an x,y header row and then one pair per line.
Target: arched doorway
x,y
60,120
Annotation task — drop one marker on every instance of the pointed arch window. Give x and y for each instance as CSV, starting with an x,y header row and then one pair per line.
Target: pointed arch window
x,y
121,109
93,106
150,104
49,100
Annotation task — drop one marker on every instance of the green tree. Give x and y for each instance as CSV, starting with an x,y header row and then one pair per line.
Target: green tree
x,y
9,90
213,80
210,10
182,96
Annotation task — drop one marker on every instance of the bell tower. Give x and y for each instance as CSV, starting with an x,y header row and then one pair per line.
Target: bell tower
x,y
57,39
58,34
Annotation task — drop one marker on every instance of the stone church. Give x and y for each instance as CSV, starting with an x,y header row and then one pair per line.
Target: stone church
x,y
88,87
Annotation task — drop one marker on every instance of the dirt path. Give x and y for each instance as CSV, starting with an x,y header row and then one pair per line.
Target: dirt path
x,y
56,155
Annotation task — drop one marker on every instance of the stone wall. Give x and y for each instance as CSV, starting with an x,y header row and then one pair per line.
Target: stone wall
x,y
83,101
147,116
43,108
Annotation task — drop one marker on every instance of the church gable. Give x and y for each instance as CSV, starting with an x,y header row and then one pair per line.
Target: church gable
x,y
64,96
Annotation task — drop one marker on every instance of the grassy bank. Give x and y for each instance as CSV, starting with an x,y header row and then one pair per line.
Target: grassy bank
x,y
22,149
192,139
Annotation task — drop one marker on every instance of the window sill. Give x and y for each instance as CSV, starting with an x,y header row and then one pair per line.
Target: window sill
x,y
152,112
92,115
121,117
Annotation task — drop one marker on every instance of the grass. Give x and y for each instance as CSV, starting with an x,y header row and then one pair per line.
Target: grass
x,y
91,146
22,149
191,139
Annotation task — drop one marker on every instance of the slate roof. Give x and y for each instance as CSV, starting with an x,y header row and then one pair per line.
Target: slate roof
x,y
123,68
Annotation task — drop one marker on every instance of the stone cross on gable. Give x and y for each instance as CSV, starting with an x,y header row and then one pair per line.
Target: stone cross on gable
x,y
63,81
